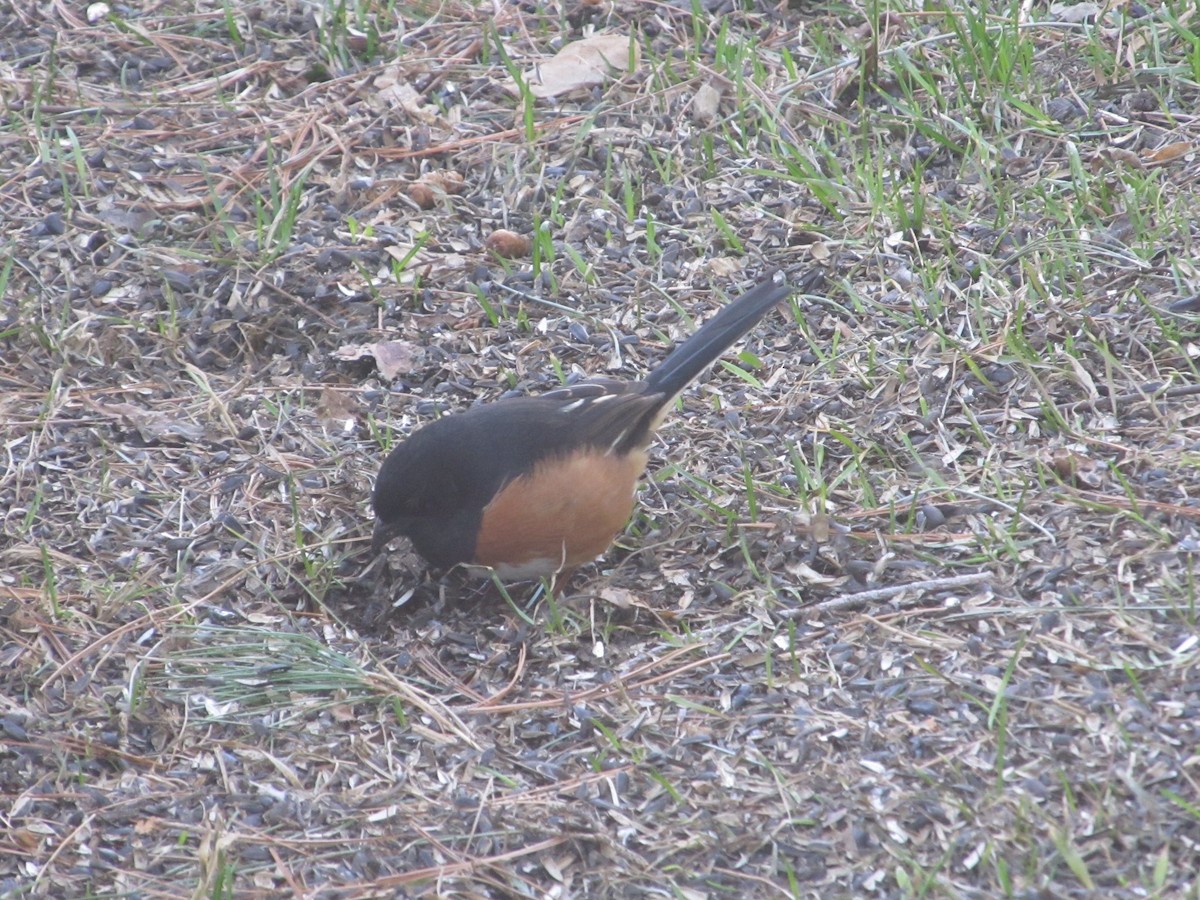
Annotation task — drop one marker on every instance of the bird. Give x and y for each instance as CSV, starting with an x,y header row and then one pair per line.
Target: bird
x,y
536,486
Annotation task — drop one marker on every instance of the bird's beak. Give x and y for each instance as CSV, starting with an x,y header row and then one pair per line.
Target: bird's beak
x,y
383,534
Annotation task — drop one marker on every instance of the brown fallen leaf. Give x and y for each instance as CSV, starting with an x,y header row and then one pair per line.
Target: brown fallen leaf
x,y
392,91
1168,153
392,358
1123,156
705,104
154,427
1016,166
335,405
397,357
618,597
582,64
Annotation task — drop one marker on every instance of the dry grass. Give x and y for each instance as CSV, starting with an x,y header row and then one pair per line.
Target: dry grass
x,y
909,604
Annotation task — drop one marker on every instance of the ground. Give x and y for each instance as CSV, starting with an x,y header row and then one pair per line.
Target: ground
x,y
908,606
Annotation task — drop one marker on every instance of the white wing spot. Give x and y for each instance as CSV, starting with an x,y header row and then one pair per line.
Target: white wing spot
x,y
612,448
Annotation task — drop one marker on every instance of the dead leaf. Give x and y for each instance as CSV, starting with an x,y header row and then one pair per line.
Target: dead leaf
x,y
581,65
819,528
723,267
424,262
25,838
1121,155
705,104
807,574
147,826
618,597
392,358
889,27
1076,13
392,90
1016,166
1168,153
845,83
335,405
678,577
154,427
448,180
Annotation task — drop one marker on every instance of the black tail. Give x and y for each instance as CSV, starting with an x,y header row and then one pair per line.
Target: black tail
x,y
703,348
